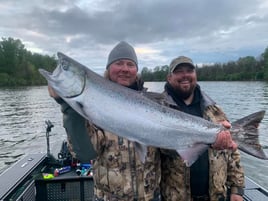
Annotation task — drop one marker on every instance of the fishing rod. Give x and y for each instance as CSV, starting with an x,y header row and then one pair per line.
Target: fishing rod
x,y
49,126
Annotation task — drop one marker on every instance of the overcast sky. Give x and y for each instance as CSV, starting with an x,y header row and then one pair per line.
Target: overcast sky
x,y
208,31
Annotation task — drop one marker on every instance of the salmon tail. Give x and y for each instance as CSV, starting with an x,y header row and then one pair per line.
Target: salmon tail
x,y
246,134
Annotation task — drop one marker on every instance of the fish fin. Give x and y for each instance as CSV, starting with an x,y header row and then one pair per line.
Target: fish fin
x,y
190,155
80,105
141,150
80,109
248,141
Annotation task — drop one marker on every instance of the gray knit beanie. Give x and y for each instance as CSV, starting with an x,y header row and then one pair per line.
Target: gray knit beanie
x,y
122,50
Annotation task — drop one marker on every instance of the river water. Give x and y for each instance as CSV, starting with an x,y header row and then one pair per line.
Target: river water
x,y
23,112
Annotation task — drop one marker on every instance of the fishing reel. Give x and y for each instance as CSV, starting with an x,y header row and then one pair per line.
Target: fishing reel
x,y
49,126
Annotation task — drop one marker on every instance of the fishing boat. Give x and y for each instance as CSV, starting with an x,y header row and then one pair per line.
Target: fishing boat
x,y
43,177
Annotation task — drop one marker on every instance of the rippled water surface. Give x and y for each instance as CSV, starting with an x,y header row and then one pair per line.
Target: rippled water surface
x,y
23,112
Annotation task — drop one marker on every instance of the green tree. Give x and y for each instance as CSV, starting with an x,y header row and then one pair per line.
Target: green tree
x,y
11,52
247,66
265,63
19,66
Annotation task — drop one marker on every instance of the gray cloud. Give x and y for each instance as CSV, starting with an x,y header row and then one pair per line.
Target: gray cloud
x,y
208,30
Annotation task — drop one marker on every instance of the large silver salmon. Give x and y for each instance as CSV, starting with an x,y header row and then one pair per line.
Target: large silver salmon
x,y
132,115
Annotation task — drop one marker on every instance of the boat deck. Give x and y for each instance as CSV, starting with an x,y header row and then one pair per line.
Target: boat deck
x,y
254,192
11,178
20,176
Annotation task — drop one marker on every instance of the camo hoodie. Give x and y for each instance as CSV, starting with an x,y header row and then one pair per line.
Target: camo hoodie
x,y
117,170
225,171
118,173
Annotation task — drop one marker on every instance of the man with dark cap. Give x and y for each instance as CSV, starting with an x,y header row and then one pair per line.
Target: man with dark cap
x,y
216,170
119,174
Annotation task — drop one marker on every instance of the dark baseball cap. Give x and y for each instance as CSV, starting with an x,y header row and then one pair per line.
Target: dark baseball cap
x,y
179,61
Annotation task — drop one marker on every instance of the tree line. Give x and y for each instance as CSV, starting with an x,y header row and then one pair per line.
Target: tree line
x,y
19,67
246,68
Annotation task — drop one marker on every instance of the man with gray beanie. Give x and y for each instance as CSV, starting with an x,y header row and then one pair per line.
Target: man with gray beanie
x,y
122,50
118,173
122,66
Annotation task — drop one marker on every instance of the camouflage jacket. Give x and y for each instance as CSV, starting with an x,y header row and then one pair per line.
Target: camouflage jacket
x,y
117,170
118,173
225,171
